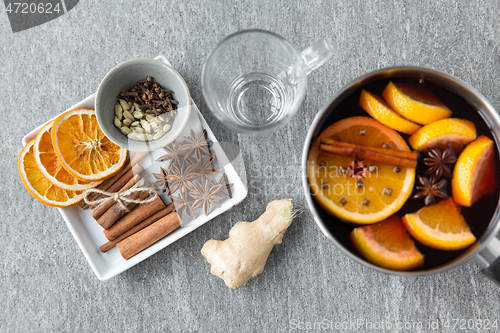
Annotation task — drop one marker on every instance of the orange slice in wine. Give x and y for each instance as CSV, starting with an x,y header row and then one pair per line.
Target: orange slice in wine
x,y
378,109
415,103
442,133
387,244
362,192
440,226
474,175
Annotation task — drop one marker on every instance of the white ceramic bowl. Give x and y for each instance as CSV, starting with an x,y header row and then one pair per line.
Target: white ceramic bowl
x,y
124,77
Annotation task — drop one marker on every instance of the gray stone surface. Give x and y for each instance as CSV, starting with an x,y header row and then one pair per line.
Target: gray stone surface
x,y
46,285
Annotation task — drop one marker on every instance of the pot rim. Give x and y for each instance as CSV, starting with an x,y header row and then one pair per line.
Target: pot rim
x,y
487,112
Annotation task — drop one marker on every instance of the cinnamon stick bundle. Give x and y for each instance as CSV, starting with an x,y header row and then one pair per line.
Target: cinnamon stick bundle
x,y
106,184
153,218
141,240
133,218
115,212
402,158
99,210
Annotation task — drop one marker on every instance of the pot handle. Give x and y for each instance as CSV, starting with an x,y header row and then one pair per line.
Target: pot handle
x,y
489,260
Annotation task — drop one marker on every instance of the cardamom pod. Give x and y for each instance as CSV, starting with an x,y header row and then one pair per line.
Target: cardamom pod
x,y
118,111
146,126
138,114
123,104
126,130
128,115
158,135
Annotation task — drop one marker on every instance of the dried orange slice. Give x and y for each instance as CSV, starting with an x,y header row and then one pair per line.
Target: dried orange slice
x,y
387,244
440,226
83,149
51,167
444,132
39,186
415,103
361,192
474,175
378,109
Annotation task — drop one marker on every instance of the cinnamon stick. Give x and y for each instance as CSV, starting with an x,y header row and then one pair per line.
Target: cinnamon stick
x,y
138,156
97,212
106,184
141,240
134,170
115,212
364,152
133,218
412,155
153,218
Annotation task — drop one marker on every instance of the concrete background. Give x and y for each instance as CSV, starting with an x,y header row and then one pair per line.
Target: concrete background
x,y
46,285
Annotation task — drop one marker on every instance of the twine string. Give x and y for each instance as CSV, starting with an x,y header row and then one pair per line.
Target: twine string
x,y
121,198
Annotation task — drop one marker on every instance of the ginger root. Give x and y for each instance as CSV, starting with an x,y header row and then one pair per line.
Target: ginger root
x,y
243,255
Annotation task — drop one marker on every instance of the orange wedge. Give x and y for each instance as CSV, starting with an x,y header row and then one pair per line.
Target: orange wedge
x,y
474,175
362,192
40,187
378,109
83,149
444,132
440,226
51,167
387,244
415,103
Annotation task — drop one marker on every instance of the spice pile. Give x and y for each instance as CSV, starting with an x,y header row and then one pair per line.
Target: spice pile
x,y
188,175
146,112
439,164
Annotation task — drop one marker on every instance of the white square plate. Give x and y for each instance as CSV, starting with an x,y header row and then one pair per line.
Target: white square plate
x,y
88,234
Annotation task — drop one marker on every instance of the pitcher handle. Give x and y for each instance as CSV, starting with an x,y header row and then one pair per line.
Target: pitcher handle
x,y
489,260
316,55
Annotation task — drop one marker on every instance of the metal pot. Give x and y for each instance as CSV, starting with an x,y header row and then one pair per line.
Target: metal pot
x,y
486,250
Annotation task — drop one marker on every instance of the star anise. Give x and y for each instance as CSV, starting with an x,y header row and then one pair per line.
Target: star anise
x,y
430,189
161,179
179,177
174,154
204,194
439,162
197,144
225,188
205,167
183,205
